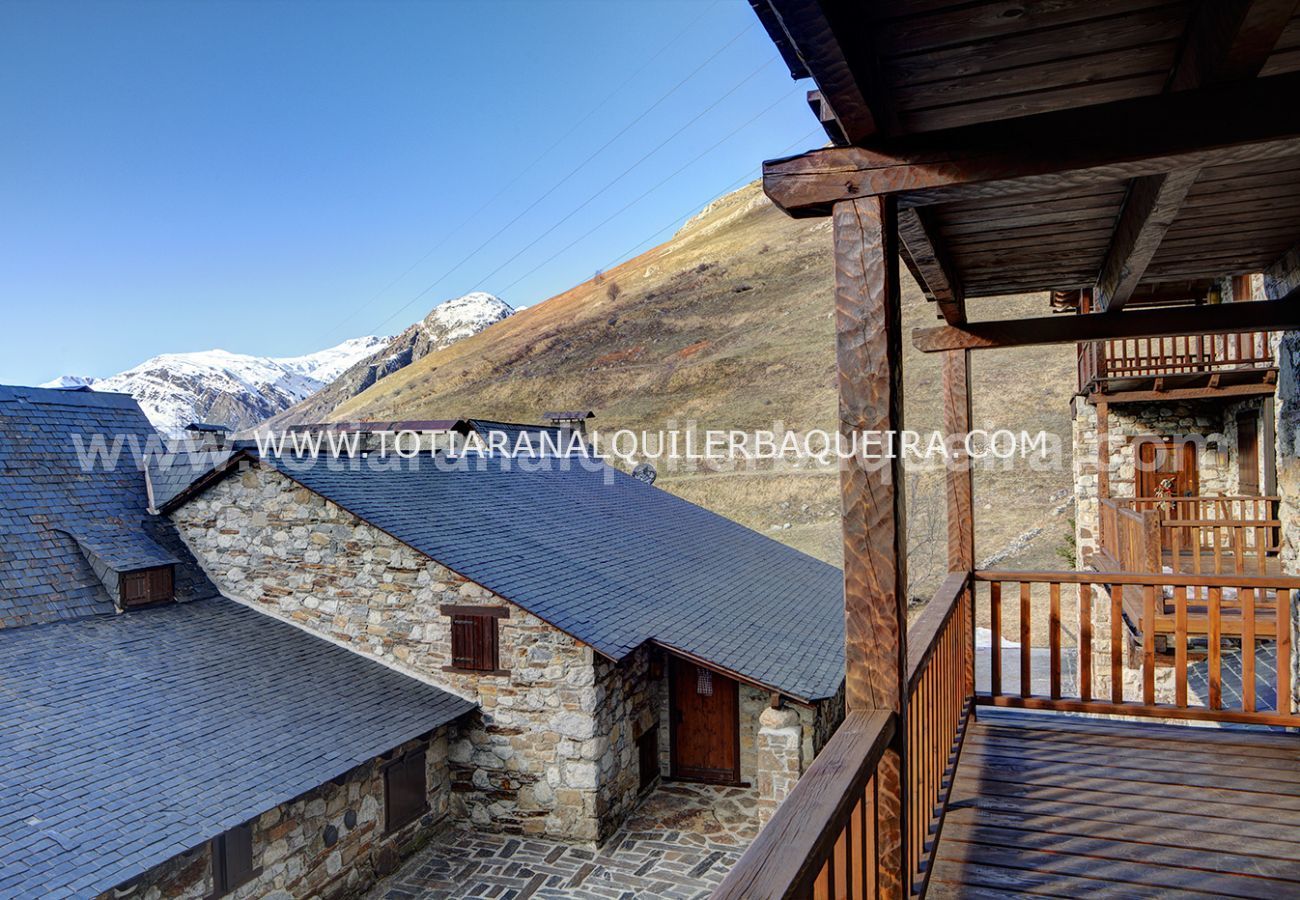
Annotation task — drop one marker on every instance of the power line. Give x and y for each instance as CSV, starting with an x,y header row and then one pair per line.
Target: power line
x,y
570,174
744,179
601,190
532,165
735,131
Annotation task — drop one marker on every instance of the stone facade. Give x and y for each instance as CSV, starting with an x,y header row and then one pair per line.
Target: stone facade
x,y
530,761
553,749
330,842
1279,281
1213,425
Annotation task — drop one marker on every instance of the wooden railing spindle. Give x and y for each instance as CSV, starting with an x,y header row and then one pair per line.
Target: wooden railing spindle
x,y
1215,641
1025,643
1085,641
1117,643
1149,645
1180,645
1054,639
995,623
1247,597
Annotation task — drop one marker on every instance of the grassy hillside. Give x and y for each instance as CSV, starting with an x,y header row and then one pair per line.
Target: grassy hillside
x,y
729,324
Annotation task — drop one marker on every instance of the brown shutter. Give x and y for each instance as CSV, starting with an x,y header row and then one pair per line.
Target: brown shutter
x,y
135,588
406,794
474,642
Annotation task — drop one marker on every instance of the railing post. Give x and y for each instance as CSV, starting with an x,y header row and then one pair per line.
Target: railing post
x,y
1151,540
960,490
869,356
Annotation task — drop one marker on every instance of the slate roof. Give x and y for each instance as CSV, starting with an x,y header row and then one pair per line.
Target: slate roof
x,y
46,496
127,740
121,549
539,437
608,559
168,474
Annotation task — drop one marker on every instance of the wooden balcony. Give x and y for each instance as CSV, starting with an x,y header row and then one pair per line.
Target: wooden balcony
x,y
1135,369
1196,535
1027,799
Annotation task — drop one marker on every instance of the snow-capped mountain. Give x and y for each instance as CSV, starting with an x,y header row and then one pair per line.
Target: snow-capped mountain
x,y
240,391
234,389
70,381
446,323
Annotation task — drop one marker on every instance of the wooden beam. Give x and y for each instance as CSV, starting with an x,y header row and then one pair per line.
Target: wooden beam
x,y
930,260
1228,318
832,44
1253,120
1227,40
869,357
1150,207
1170,395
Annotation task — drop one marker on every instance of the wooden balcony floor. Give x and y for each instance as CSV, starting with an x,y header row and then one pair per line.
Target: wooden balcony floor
x,y
1066,806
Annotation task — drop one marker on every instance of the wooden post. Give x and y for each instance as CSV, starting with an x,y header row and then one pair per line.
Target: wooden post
x,y
960,486
869,355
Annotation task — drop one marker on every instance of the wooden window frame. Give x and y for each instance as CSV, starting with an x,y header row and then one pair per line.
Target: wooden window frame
x,y
483,618
415,760
159,586
224,881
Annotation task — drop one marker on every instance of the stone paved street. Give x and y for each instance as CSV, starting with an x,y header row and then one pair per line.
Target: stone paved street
x,y
679,844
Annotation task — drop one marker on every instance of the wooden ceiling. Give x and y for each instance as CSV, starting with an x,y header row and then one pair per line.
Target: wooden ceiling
x,y
895,73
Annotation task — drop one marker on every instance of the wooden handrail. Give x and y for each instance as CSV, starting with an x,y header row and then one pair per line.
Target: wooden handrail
x,y
821,841
1168,611
795,844
923,634
1155,579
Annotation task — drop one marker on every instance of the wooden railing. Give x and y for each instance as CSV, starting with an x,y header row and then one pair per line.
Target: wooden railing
x,y
1199,535
1183,607
822,840
941,674
1130,537
1180,355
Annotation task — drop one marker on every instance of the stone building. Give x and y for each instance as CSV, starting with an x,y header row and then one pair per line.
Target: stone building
x,y
160,740
608,631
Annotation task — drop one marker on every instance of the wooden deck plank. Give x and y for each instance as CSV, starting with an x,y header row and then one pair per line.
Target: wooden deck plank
x,y
963,880
1027,806
1165,833
1249,770
1227,813
1249,738
1143,874
1151,850
1067,806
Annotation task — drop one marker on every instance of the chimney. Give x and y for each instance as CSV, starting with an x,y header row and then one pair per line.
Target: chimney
x,y
207,436
570,421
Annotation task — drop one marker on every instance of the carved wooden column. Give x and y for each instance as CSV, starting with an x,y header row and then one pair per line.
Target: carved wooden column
x,y
960,484
869,352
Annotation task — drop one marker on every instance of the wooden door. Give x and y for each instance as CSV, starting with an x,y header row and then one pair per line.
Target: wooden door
x,y
705,729
1248,455
1159,460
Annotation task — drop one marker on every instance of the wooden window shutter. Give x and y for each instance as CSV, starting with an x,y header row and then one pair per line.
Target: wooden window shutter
x,y
155,585
474,642
406,791
135,588
232,859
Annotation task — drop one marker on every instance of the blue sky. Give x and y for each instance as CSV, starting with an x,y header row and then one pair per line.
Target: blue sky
x,y
273,178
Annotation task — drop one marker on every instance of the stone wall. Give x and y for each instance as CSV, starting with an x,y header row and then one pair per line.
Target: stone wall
x,y
330,842
1279,280
1213,424
525,764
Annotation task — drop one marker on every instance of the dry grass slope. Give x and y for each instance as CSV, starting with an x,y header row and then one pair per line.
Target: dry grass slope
x,y
729,324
